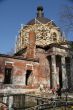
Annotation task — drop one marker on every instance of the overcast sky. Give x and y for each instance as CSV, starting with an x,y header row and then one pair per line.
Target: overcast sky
x,y
13,13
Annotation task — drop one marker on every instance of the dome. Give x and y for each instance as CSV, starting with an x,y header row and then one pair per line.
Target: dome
x,y
40,17
45,34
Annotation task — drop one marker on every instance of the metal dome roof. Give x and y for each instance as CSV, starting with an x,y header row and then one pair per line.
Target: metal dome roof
x,y
42,20
40,17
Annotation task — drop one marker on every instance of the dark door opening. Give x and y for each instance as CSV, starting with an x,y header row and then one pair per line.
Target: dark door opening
x,y
28,77
7,78
59,69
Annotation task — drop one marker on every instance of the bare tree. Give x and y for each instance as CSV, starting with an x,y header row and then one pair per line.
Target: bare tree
x,y
11,52
66,18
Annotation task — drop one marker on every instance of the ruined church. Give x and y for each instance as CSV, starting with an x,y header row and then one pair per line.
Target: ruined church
x,y
43,58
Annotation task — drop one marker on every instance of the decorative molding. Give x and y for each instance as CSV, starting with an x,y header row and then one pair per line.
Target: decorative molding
x,y
9,62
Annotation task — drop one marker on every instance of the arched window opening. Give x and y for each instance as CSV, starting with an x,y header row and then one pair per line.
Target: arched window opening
x,y
54,35
28,77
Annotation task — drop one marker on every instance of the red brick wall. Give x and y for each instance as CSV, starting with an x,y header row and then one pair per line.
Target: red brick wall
x,y
40,70
19,68
31,45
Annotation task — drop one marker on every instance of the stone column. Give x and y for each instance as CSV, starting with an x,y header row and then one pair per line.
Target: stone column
x,y
55,77
71,69
64,75
10,103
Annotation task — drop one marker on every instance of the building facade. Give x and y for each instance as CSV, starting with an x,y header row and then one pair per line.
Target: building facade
x,y
43,58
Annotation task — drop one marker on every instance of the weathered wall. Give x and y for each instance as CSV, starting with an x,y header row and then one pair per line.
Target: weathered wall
x,y
19,68
44,70
40,70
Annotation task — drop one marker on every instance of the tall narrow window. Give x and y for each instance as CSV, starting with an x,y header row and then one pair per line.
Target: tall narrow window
x,y
28,77
7,77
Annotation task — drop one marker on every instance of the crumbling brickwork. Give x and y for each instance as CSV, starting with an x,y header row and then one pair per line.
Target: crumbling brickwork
x,y
40,60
